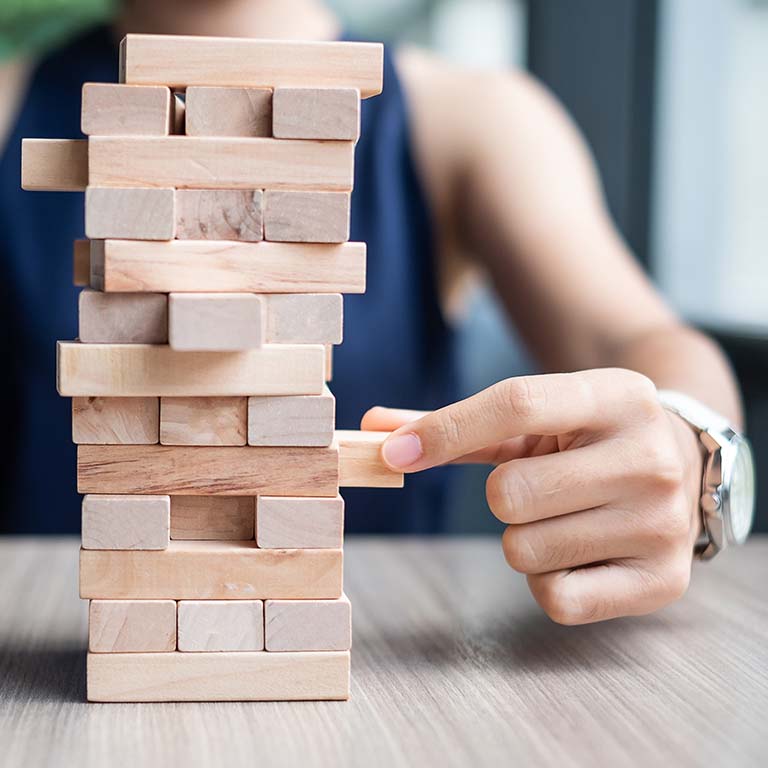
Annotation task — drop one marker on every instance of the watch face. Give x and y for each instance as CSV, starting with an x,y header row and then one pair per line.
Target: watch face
x,y
741,491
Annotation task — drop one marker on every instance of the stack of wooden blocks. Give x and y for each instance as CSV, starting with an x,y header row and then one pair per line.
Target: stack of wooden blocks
x,y
216,261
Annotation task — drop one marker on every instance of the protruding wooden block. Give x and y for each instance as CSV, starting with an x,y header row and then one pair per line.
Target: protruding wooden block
x,y
215,322
316,113
360,462
308,625
306,217
221,625
218,111
219,214
123,318
54,165
115,420
81,262
296,420
213,518
203,420
126,522
304,318
131,626
290,522
111,109
134,214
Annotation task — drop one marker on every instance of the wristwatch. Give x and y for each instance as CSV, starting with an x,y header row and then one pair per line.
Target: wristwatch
x,y
728,482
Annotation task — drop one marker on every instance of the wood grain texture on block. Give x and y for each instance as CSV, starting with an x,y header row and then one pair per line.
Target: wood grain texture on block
x,y
290,522
307,420
54,165
215,322
135,213
360,462
112,109
304,318
115,420
203,420
137,370
316,113
197,266
131,626
180,61
213,518
196,162
217,111
221,625
122,318
207,470
306,217
308,625
219,214
81,262
211,570
126,522
256,676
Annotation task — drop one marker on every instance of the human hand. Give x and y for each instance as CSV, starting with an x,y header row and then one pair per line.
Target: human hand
x,y
599,485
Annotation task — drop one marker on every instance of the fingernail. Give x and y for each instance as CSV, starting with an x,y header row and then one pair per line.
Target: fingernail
x,y
402,450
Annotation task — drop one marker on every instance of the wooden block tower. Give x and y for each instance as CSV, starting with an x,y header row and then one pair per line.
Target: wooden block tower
x,y
217,179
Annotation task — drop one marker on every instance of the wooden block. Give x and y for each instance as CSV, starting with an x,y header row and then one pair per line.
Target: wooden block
x,y
308,625
54,165
179,118
207,470
211,570
316,113
111,109
126,522
133,213
360,463
221,625
215,322
197,162
216,266
306,217
216,111
219,214
328,363
203,420
257,676
290,522
115,420
81,262
122,318
132,626
304,318
307,420
138,370
213,518
180,61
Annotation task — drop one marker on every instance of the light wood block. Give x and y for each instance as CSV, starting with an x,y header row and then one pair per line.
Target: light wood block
x,y
207,470
308,625
179,117
126,522
215,322
180,61
81,262
115,420
122,318
196,162
317,113
307,420
360,463
211,570
328,363
111,109
189,266
54,165
139,370
290,522
217,111
304,318
203,420
306,217
131,626
134,213
213,518
257,676
219,214
221,625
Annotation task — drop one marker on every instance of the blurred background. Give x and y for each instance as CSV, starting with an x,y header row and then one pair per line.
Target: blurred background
x,y
672,96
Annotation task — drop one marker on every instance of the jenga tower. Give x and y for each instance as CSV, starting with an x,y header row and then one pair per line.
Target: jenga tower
x,y
212,522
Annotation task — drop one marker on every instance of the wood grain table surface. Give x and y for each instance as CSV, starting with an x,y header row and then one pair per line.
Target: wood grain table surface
x,y
453,665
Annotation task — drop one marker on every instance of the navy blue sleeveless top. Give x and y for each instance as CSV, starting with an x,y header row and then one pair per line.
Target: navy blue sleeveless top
x,y
397,348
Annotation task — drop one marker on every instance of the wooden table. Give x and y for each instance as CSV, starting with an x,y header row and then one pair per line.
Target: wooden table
x,y
453,665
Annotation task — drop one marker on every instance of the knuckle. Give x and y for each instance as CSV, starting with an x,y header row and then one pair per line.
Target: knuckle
x,y
558,605
509,494
677,578
519,550
661,466
520,398
446,429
